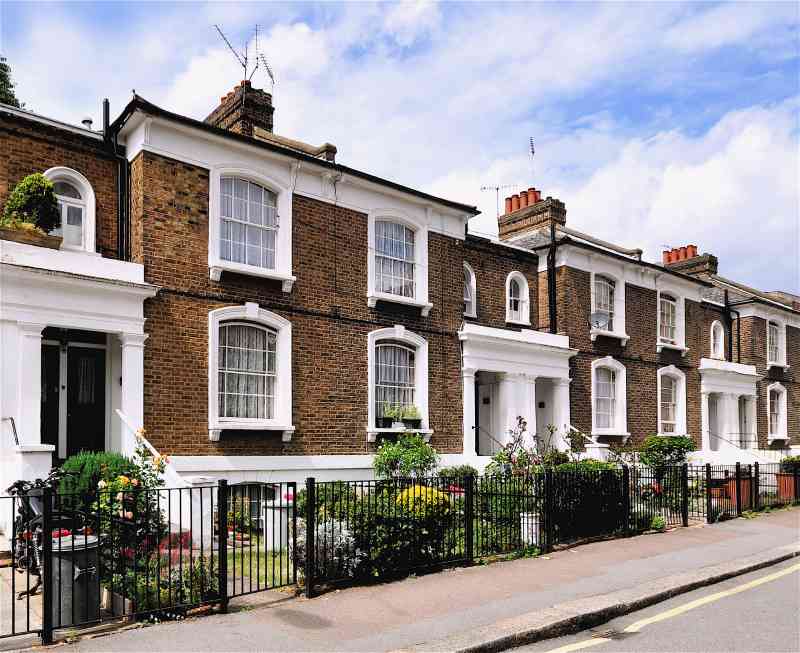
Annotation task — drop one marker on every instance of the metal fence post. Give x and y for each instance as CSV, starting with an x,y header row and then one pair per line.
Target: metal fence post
x,y
796,469
469,517
311,512
685,494
47,566
549,531
709,502
222,541
738,489
626,497
757,489
293,526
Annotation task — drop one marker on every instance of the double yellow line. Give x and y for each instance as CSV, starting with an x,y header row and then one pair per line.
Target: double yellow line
x,y
636,626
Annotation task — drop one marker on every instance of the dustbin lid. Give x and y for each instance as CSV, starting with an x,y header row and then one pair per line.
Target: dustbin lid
x,y
74,542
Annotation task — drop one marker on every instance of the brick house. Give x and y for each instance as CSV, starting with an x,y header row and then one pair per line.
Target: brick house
x,y
258,307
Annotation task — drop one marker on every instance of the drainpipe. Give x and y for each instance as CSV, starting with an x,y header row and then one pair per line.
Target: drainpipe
x,y
729,323
123,179
551,280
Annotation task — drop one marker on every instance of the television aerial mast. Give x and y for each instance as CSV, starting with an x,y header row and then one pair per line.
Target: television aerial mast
x,y
497,188
243,57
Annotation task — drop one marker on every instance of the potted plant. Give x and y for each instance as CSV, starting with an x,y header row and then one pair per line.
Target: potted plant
x,y
412,418
392,418
31,212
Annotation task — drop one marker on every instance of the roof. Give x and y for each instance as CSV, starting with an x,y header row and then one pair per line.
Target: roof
x,y
738,293
37,117
138,103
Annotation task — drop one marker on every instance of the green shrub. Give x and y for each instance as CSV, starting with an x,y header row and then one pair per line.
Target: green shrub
x,y
789,464
586,465
457,472
658,523
33,200
85,470
663,451
409,457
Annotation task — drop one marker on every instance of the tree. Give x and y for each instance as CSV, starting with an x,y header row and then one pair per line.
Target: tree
x,y
6,85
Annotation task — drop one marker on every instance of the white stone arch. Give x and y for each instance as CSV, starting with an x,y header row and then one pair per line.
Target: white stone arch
x,y
251,313
71,176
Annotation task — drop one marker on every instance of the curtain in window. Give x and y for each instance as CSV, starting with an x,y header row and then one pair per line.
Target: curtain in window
x,y
394,377
667,319
668,404
394,259
774,412
773,345
605,398
604,299
249,223
86,380
247,374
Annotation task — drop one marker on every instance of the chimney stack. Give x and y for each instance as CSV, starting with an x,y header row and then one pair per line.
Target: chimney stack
x,y
527,211
686,260
243,110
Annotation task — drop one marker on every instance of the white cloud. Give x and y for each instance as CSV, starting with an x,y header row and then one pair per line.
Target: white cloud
x,y
408,21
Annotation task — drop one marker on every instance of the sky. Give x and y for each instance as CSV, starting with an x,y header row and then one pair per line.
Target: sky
x,y
657,124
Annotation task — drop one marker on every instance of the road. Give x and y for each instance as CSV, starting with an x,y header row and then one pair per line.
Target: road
x,y
757,612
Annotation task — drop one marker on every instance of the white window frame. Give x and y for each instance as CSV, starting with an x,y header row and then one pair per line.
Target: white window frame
x,y
781,328
89,227
525,299
782,431
420,230
282,420
716,325
471,310
399,334
283,241
618,328
679,377
620,427
680,323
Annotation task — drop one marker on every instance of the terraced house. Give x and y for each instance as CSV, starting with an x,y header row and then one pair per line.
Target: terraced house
x,y
263,311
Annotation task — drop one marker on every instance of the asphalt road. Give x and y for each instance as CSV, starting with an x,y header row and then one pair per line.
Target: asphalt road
x,y
761,617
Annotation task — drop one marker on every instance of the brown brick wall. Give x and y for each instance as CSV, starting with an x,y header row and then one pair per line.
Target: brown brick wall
x,y
29,147
327,307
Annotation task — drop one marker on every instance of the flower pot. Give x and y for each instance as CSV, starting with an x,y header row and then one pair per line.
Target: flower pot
x,y
412,423
785,486
398,425
117,604
30,238
384,422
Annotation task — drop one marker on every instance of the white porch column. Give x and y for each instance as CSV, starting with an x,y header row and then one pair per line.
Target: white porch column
x,y
561,412
705,436
730,420
468,401
29,388
132,400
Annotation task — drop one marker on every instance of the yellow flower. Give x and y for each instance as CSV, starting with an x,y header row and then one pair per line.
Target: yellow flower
x,y
123,479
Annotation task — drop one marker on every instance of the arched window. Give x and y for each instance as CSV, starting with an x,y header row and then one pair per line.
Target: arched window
x,y
394,259
609,400
398,376
777,421
249,371
667,319
76,203
604,298
671,401
248,223
470,292
717,340
517,302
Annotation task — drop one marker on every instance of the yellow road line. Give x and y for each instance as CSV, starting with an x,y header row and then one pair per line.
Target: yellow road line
x,y
673,612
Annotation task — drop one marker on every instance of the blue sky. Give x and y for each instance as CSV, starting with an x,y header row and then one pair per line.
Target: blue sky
x,y
657,124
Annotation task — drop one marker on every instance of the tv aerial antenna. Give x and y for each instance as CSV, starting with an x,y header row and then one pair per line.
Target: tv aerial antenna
x,y
497,188
244,59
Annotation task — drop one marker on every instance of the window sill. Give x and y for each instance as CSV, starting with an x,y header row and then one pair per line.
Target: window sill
x,y
471,316
677,434
216,268
660,346
215,430
373,433
773,438
784,366
611,433
622,337
374,298
519,322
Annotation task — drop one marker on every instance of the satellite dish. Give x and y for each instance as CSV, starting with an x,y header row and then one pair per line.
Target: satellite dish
x,y
598,320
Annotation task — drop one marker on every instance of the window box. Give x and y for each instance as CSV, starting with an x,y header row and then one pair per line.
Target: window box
x,y
412,423
30,237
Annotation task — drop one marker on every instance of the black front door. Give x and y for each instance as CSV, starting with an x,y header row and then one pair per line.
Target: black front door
x,y
51,391
86,401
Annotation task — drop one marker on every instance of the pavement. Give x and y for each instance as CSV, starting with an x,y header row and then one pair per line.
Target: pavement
x,y
755,612
478,608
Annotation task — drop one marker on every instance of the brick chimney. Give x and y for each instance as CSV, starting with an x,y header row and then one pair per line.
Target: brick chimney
x,y
527,211
243,109
687,261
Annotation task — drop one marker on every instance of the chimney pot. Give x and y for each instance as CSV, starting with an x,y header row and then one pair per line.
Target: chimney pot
x,y
514,203
682,253
691,251
508,205
665,257
523,199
